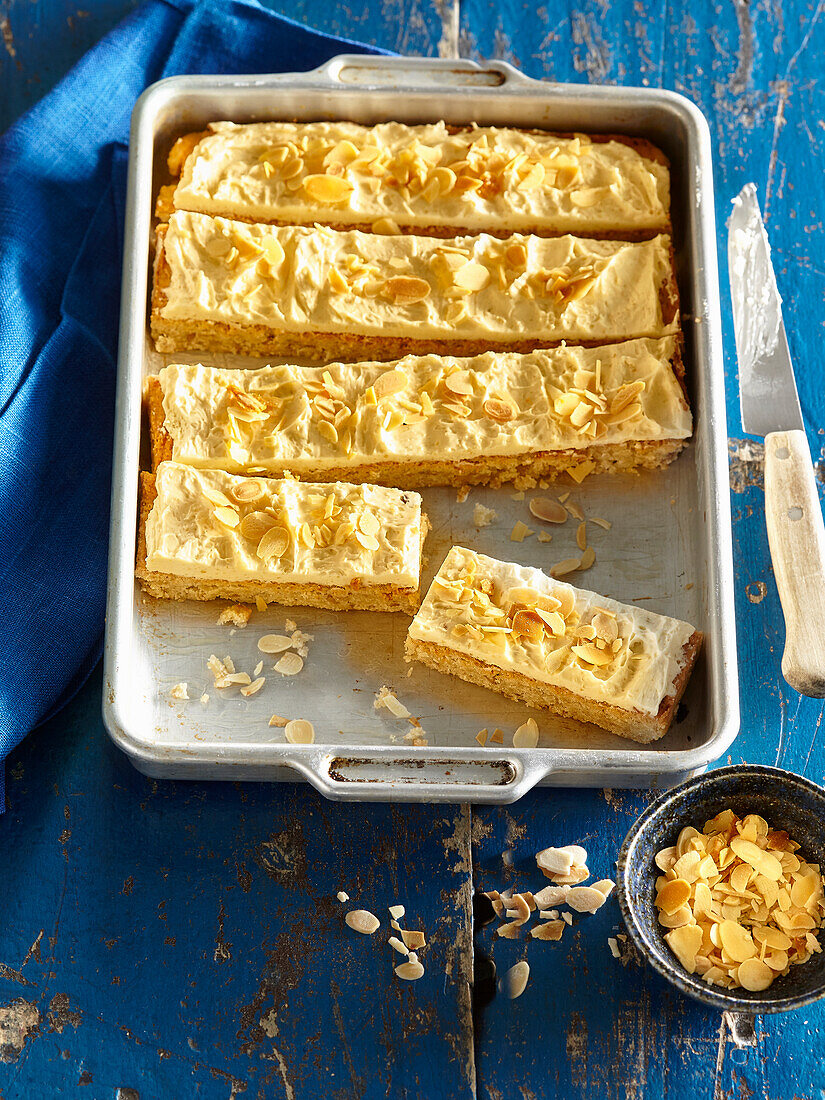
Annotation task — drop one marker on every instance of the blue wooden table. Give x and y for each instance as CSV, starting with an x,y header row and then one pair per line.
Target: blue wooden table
x,y
178,940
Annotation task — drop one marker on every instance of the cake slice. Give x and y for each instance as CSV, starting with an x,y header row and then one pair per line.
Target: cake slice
x,y
430,179
206,535
542,642
322,295
430,420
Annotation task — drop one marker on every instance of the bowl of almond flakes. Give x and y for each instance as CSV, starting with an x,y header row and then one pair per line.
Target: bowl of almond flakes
x,y
720,885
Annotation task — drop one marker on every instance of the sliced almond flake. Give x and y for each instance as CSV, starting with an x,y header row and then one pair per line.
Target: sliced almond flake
x,y
397,945
497,736
516,979
410,971
527,735
481,736
278,720
545,536
552,930
557,861
613,944
567,565
363,921
397,911
299,732
585,899
605,523
258,669
290,664
581,536
342,896
581,470
509,931
548,510
254,687
274,643
413,939
520,532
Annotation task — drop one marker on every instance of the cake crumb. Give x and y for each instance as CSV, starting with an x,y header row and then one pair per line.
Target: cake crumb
x,y
545,536
204,698
517,496
180,691
462,494
342,896
236,615
385,698
260,603
300,640
483,517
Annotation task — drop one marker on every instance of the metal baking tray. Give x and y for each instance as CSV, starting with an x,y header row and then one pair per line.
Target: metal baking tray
x,y
669,546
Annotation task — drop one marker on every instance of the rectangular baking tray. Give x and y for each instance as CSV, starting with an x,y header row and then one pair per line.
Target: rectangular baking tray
x,y
669,547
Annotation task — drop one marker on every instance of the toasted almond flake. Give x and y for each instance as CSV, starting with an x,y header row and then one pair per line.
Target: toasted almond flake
x,y
551,895
459,383
581,536
754,975
520,532
254,687
516,978
498,410
386,227
247,491
258,669
527,735
765,863
406,289
557,861
481,736
562,568
497,736
410,971
673,896
299,731
327,189
579,471
278,720
548,510
613,944
289,665
397,911
389,383
605,886
585,899
413,939
274,643
363,921
274,544
369,542
472,276
227,516
397,945
587,559
342,896
552,930
509,931
685,943
544,536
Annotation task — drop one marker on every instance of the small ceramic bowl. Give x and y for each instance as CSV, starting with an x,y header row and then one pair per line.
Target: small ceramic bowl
x,y
786,801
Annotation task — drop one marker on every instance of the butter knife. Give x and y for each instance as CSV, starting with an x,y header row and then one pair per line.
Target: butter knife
x,y
770,408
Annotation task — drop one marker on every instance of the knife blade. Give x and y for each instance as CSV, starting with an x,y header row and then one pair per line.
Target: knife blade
x,y
767,389
770,408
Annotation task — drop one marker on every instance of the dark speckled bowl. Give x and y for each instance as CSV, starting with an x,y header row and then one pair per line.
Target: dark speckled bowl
x,y
786,801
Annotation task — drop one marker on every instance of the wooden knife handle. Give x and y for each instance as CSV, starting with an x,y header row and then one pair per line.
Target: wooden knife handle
x,y
796,535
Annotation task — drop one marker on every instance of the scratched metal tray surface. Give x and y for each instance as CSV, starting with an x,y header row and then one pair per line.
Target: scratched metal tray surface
x,y
669,546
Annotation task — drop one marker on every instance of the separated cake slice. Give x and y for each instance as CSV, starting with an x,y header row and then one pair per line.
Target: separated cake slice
x,y
430,420
321,295
207,535
430,179
516,631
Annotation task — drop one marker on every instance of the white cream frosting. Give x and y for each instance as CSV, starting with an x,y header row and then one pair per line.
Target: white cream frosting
x,y
472,592
191,532
527,181
320,280
307,418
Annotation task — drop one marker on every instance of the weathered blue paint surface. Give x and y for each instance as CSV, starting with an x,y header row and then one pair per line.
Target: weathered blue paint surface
x,y
182,940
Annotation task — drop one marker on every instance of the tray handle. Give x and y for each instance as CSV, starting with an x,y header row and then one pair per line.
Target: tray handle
x,y
423,777
357,70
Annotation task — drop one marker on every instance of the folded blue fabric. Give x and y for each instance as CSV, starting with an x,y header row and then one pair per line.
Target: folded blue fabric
x,y
62,190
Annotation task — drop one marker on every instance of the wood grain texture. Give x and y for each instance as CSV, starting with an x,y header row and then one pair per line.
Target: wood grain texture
x,y
796,536
172,939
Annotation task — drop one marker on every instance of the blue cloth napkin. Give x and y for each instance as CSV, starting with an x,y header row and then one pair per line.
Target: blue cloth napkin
x,y
62,191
